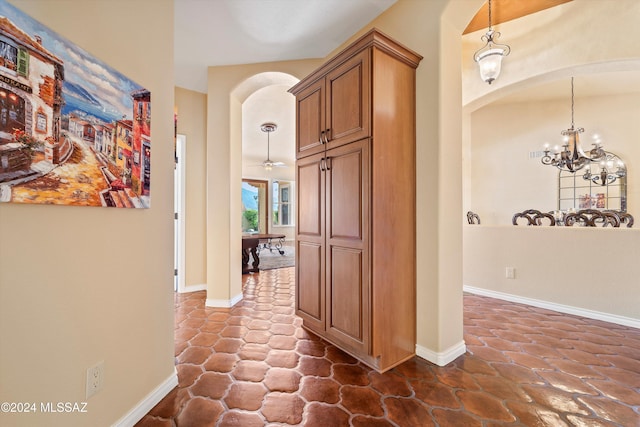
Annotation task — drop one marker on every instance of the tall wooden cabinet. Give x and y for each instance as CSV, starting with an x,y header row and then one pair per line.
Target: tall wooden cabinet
x,y
355,228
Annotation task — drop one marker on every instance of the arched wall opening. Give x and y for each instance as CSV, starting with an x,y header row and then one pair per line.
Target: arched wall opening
x,y
522,118
229,87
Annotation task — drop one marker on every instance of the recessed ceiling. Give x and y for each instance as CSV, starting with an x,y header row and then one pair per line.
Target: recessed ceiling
x,y
271,104
227,32
507,10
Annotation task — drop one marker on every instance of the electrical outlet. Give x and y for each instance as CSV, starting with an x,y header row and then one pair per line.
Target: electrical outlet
x,y
510,273
95,379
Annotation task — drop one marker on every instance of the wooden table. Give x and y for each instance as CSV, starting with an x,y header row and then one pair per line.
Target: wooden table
x,y
253,244
266,242
250,244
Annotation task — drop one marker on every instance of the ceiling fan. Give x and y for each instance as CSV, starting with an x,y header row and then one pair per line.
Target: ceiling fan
x,y
269,164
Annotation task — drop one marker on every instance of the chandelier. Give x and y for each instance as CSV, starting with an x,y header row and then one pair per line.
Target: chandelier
x,y
489,57
571,157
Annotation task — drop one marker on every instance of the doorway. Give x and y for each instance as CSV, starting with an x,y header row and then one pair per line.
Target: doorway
x,y
178,209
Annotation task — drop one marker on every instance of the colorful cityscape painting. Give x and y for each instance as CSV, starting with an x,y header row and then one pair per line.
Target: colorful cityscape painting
x,y
73,131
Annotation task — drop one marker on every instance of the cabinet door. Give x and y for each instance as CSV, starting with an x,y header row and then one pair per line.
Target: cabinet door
x,y
347,253
310,111
310,242
348,112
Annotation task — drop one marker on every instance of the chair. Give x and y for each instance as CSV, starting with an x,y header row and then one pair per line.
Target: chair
x,y
625,218
592,218
473,218
534,217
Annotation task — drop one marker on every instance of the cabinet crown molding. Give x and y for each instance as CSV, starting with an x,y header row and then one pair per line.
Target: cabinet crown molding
x,y
373,37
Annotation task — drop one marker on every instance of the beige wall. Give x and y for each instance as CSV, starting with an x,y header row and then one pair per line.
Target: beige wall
x,y
504,180
229,86
593,271
192,122
80,285
499,137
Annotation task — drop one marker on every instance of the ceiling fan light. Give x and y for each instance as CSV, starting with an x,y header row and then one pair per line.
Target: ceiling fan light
x,y
269,164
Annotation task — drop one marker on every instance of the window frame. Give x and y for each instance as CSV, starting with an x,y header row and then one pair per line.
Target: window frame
x,y
277,206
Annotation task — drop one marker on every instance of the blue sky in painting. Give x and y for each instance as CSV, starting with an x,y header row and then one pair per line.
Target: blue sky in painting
x,y
90,85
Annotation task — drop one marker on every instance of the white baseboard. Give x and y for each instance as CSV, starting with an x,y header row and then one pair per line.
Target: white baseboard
x,y
193,288
577,311
145,405
442,358
224,303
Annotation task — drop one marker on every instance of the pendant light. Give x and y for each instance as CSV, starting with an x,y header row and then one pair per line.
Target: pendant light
x,y
489,57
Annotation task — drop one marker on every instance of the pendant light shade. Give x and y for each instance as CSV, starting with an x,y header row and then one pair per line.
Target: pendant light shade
x,y
490,63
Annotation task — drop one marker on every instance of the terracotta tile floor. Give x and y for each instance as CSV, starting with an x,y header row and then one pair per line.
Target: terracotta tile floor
x,y
253,365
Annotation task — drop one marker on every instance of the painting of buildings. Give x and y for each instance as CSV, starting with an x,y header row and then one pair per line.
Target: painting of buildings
x,y
73,131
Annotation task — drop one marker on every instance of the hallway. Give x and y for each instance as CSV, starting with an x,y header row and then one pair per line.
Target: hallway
x,y
253,365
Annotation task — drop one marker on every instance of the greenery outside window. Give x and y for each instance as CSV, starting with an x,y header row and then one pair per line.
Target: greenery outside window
x,y
254,206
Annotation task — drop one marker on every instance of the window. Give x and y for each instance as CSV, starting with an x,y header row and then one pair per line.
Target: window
x,y
254,206
41,122
8,55
14,58
282,203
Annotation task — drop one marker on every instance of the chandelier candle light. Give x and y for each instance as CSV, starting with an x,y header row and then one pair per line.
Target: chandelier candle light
x,y
606,177
489,57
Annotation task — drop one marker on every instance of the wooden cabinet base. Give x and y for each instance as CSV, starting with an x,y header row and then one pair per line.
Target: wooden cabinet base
x,y
372,362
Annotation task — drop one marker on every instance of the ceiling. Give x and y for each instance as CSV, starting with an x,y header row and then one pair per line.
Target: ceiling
x,y
228,32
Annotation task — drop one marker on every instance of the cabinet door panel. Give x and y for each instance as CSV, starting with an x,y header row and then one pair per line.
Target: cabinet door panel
x,y
348,93
310,105
310,292
347,277
346,311
310,244
310,182
346,195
